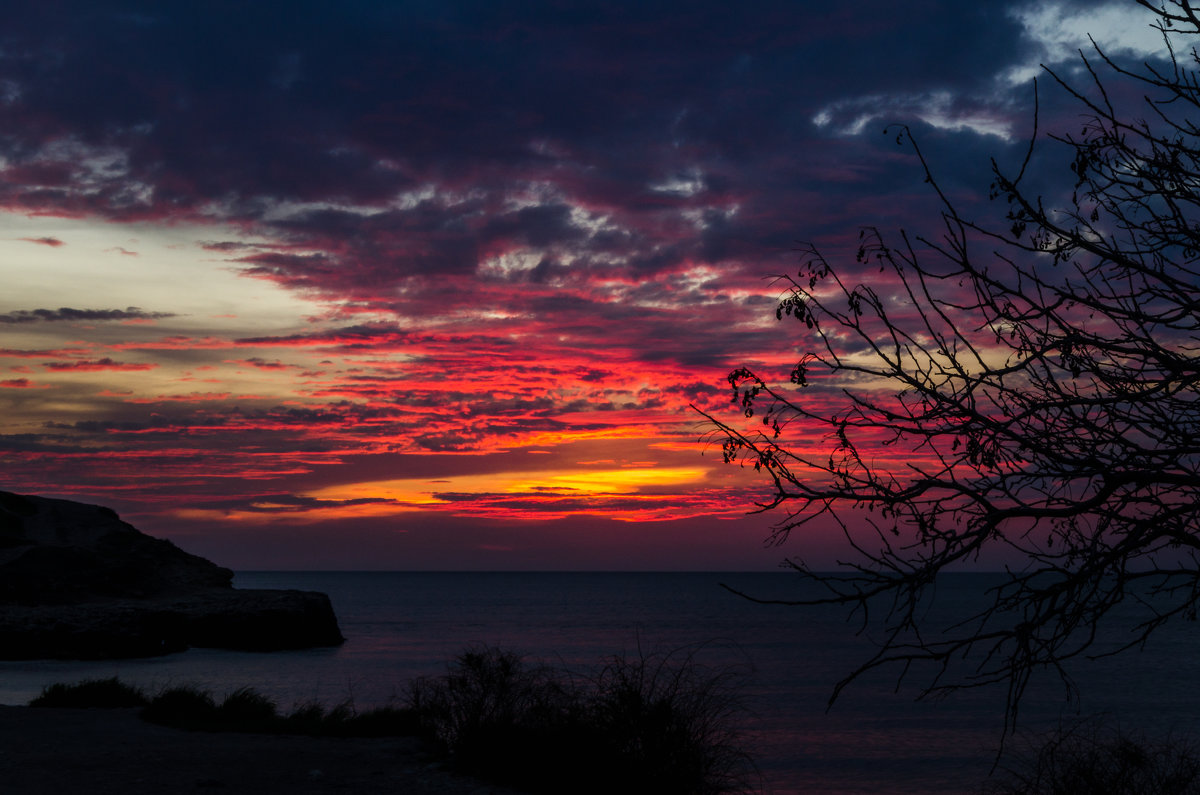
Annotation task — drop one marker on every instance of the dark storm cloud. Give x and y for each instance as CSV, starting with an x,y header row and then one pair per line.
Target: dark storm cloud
x,y
186,111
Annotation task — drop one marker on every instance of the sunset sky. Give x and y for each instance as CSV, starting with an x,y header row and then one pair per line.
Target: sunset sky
x,y
431,285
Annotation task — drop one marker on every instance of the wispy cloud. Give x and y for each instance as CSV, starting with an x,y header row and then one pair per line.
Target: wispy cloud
x,y
94,365
68,315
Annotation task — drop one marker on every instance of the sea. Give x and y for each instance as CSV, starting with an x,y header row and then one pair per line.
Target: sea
x,y
878,737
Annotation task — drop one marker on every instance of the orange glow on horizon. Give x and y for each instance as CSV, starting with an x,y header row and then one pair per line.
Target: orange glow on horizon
x,y
421,492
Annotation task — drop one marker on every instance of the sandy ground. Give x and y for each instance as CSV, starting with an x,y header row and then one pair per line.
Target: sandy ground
x,y
62,751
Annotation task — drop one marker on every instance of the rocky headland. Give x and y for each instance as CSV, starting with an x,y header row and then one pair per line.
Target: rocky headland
x,y
76,582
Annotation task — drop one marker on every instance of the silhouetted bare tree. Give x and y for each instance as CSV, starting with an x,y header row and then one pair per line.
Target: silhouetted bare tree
x,y
1029,386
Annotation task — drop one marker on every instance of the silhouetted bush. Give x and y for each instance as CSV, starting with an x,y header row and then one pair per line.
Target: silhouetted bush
x,y
311,718
483,692
248,710
1093,758
186,707
669,723
659,724
91,693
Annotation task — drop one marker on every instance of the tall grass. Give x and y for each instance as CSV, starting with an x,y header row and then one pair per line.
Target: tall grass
x,y
91,694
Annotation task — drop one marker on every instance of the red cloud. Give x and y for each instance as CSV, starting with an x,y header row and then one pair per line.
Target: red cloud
x,y
53,242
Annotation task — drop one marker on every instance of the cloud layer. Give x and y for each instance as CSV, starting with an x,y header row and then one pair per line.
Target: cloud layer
x,y
514,241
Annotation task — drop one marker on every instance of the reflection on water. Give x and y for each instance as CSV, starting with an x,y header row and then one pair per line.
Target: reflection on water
x,y
404,625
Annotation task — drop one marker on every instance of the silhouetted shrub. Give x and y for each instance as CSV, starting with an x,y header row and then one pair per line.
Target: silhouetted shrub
x,y
91,693
245,709
186,707
334,720
307,718
1093,758
659,724
485,692
668,723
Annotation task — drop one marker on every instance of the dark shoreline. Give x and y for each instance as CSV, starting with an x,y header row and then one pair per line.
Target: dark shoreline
x,y
113,752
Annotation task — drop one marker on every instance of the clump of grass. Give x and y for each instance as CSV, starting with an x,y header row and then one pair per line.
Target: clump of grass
x,y
311,718
185,707
248,709
660,724
1094,758
91,694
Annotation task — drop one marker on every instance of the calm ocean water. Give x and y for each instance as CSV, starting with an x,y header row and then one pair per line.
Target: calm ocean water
x,y
874,740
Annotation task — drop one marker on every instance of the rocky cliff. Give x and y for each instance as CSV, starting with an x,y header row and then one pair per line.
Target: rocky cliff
x,y
76,582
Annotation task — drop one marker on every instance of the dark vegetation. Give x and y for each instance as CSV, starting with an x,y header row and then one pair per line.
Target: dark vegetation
x,y
661,724
1023,387
91,693
656,725
1097,758
243,710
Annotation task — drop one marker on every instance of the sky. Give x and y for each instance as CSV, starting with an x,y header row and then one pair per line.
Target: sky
x,y
436,285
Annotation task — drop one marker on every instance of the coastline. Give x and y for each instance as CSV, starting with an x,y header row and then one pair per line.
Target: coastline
x,y
114,752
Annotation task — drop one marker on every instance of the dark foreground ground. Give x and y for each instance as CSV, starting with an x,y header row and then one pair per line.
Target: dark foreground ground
x,y
103,752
